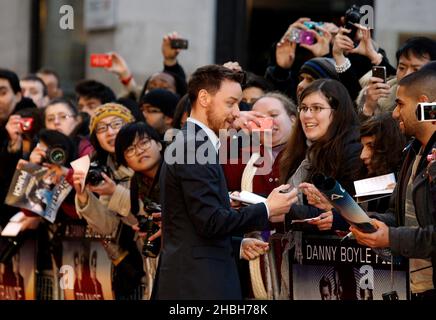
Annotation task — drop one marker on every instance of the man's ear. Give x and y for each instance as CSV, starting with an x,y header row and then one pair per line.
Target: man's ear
x,y
423,98
203,98
168,121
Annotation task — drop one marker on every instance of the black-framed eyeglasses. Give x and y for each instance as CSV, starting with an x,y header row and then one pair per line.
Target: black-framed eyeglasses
x,y
103,127
141,145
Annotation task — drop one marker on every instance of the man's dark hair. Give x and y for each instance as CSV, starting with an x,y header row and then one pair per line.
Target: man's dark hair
x,y
210,78
94,89
422,82
12,78
50,72
253,80
419,47
35,78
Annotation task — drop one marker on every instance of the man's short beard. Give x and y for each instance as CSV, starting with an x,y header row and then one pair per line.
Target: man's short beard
x,y
212,121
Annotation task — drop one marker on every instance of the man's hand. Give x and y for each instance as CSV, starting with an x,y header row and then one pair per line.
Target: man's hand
x,y
119,66
233,65
252,248
378,239
169,54
280,200
375,90
244,118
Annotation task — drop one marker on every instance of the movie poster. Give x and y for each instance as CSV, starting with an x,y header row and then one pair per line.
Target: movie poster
x,y
38,189
87,269
335,270
17,276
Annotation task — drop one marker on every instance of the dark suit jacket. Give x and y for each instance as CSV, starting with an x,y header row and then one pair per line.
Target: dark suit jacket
x,y
197,259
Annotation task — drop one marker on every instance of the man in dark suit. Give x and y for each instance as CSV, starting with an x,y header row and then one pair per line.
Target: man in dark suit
x,y
197,257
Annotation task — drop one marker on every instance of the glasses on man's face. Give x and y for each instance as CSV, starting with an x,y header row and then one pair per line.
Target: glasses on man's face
x,y
103,127
141,145
61,116
313,109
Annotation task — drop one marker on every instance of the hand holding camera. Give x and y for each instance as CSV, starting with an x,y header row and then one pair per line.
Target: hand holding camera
x,y
14,129
172,43
118,65
148,224
103,189
320,45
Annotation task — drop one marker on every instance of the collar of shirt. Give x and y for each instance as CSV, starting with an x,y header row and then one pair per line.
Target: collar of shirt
x,y
211,135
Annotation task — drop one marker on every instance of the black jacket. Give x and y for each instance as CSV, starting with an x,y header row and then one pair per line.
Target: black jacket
x,y
407,241
197,258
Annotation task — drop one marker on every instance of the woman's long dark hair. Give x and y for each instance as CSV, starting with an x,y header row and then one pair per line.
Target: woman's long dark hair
x,y
326,154
388,144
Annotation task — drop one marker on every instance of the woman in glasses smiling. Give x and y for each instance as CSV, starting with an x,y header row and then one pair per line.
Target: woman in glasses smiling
x,y
108,214
325,140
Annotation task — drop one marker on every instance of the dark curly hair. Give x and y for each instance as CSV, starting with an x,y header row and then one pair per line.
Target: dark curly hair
x,y
388,144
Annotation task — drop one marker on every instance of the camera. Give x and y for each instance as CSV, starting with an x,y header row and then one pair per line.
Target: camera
x,y
352,16
301,36
147,224
26,124
56,155
179,44
426,111
313,25
94,176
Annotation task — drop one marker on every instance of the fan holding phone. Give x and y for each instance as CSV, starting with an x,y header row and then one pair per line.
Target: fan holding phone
x,y
377,88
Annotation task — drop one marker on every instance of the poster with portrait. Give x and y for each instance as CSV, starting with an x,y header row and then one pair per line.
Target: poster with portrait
x,y
17,274
332,269
86,272
38,189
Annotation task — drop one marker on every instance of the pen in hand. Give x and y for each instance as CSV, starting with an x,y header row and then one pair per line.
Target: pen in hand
x,y
349,235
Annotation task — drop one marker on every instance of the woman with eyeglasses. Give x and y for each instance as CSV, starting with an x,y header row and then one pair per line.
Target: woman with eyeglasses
x,y
326,140
62,115
138,147
108,213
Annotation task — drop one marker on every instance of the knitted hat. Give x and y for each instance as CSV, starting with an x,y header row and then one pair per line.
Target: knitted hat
x,y
320,68
110,109
163,99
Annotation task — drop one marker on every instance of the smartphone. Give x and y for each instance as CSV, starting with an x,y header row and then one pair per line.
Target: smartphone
x,y
426,111
101,60
379,72
179,44
265,124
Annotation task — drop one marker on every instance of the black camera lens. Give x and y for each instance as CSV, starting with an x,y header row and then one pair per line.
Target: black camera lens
x,y
351,17
56,156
